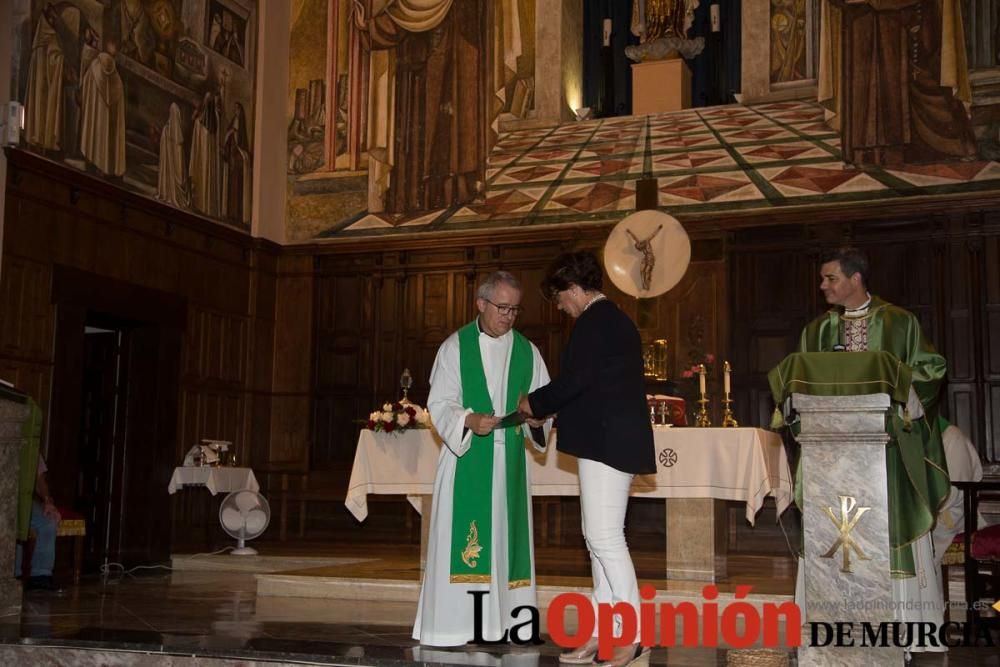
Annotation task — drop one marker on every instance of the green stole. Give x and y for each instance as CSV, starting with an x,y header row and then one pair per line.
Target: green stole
x,y
28,468
472,502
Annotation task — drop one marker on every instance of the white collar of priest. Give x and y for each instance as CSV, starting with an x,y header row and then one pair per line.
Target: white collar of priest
x,y
861,310
482,332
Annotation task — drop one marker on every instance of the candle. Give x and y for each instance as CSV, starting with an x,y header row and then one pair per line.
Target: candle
x,y
716,20
725,378
701,379
607,32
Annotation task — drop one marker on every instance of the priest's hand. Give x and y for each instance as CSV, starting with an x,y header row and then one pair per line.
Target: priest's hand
x,y
481,424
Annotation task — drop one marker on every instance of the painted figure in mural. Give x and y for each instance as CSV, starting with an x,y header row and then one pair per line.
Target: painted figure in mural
x,y
652,19
134,31
426,115
203,168
645,247
102,127
919,109
226,40
237,184
52,104
172,186
43,105
788,40
662,28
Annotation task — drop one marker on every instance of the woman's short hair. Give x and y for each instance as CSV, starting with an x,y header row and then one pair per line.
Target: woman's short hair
x,y
573,268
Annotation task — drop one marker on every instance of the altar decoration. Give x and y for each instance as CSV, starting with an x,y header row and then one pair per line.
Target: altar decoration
x,y
398,417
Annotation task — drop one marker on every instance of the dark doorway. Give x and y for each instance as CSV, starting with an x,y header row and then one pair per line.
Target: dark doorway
x,y
113,416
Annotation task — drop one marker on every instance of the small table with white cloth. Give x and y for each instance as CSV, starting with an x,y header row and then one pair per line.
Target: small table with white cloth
x,y
214,478
697,468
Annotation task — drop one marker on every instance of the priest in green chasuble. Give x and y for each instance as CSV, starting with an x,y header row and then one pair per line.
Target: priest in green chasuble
x,y
480,537
915,462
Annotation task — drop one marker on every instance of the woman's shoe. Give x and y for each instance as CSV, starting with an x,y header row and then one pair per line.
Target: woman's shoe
x,y
581,655
628,656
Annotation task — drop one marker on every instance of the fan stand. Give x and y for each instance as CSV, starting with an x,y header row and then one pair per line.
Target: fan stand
x,y
241,548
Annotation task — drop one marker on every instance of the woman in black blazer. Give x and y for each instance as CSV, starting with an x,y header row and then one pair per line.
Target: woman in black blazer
x,y
600,398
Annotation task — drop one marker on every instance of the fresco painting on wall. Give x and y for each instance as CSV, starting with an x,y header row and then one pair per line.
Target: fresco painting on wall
x,y
790,28
373,87
154,95
514,44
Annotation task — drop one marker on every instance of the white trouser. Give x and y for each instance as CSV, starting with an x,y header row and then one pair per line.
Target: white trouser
x,y
603,500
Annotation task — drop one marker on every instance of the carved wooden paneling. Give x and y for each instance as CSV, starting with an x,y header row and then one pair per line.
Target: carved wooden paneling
x,y
28,316
59,222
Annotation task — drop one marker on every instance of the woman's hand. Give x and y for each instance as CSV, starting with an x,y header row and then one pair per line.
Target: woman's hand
x,y
524,405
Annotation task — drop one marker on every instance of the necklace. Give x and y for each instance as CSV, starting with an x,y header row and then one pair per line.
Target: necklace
x,y
597,297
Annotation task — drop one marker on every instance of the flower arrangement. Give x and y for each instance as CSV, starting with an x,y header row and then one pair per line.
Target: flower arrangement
x,y
707,359
398,417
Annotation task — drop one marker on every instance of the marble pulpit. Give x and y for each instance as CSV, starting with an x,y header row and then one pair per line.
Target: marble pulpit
x,y
13,414
845,519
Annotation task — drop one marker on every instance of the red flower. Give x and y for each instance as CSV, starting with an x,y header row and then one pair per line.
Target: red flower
x,y
687,374
396,407
389,427
709,358
413,413
370,426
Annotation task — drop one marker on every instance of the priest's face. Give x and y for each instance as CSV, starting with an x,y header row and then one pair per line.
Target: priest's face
x,y
497,314
841,290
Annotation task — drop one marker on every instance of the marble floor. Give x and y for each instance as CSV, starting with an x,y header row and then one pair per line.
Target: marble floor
x,y
196,610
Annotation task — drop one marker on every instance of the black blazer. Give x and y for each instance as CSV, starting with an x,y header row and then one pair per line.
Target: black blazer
x,y
600,393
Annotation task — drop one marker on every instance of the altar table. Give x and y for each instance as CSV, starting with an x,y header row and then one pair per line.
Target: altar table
x,y
214,478
695,468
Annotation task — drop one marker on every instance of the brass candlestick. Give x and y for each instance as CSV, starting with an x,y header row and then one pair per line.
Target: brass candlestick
x,y
701,418
728,420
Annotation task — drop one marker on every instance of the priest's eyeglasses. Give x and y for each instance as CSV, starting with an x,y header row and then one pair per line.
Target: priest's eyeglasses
x,y
505,308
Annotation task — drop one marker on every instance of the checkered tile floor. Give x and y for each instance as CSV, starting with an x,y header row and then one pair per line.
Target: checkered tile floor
x,y
708,160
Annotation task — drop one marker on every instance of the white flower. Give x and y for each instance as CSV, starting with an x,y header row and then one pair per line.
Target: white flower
x,y
387,407
387,416
403,418
423,417
375,416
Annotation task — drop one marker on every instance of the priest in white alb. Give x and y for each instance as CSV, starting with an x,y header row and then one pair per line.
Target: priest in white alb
x,y
480,536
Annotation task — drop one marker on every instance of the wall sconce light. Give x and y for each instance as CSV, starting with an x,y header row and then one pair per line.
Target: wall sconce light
x,y
583,113
13,123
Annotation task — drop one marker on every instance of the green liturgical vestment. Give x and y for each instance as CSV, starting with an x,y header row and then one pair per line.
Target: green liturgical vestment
x,y
918,482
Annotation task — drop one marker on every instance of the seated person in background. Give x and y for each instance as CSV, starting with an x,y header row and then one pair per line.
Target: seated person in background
x,y
44,523
963,466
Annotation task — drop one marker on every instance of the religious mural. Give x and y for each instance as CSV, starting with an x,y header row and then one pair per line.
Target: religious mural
x,y
790,29
392,110
153,95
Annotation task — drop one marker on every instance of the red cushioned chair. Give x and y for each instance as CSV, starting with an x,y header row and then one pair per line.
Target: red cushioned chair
x,y
981,551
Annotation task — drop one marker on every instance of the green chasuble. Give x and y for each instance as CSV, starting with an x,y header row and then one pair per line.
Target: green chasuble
x,y
28,468
472,504
916,467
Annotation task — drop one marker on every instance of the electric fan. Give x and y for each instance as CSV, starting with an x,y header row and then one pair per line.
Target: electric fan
x,y
244,515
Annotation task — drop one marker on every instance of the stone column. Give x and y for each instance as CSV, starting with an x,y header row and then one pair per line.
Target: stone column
x,y
697,536
558,64
12,417
845,519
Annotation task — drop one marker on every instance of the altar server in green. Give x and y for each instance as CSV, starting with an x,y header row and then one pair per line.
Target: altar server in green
x,y
480,535
918,485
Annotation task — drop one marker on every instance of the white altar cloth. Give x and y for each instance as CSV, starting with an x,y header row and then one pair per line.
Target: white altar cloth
x,y
214,478
745,464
